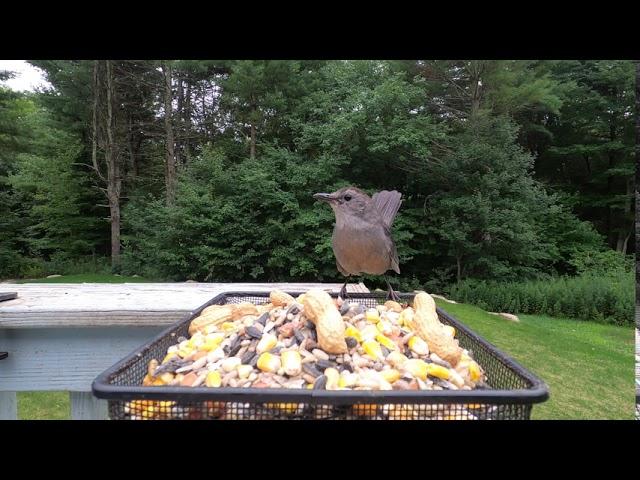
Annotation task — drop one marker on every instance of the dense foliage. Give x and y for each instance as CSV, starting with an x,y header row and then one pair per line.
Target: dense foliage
x,y
586,297
204,170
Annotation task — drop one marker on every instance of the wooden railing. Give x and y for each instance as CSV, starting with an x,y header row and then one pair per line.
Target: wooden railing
x,y
59,337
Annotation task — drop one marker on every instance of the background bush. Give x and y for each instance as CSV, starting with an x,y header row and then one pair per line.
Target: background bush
x,y
606,296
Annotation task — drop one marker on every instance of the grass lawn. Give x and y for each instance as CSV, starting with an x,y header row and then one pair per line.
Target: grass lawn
x,y
588,367
44,406
86,278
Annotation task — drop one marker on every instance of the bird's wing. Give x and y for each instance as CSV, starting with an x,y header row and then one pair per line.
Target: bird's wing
x,y
341,269
387,203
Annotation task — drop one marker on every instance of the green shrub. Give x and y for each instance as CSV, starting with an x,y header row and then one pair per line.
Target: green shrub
x,y
596,297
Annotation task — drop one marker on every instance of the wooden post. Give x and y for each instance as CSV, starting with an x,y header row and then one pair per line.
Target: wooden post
x,y
84,406
8,406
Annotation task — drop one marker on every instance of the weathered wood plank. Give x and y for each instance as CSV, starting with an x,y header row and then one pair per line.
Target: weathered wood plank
x,y
84,406
8,406
128,304
64,359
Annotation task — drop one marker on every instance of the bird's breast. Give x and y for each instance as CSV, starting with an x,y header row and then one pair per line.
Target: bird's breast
x,y
362,250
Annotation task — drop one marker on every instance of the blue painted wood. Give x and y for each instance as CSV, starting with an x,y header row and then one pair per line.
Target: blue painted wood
x,y
8,406
64,358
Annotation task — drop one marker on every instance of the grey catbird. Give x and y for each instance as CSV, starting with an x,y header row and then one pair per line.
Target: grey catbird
x,y
361,239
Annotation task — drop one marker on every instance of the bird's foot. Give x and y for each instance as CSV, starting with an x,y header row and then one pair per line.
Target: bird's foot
x,y
343,292
392,295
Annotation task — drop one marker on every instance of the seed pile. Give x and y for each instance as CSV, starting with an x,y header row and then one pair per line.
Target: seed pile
x,y
316,342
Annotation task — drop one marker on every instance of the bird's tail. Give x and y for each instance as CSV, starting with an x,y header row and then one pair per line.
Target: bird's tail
x,y
388,204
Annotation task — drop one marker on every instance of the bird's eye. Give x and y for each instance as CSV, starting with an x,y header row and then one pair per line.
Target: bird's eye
x,y
347,197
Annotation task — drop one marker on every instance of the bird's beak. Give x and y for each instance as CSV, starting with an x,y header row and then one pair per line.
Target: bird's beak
x,y
323,197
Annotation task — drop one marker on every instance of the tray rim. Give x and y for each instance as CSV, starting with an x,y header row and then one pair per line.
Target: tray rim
x,y
101,388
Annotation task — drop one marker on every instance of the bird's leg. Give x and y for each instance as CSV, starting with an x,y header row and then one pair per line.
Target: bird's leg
x,y
343,290
391,295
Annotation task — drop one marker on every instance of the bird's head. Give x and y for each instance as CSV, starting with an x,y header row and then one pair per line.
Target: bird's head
x,y
346,202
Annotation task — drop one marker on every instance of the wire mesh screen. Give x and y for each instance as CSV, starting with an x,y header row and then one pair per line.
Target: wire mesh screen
x,y
509,393
212,410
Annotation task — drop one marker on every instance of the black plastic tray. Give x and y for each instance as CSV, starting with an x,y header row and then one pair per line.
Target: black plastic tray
x,y
513,390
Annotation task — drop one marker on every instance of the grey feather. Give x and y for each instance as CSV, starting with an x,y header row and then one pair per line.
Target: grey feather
x,y
395,263
388,204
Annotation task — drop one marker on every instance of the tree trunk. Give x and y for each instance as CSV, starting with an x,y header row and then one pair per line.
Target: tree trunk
x,y
113,169
94,122
179,129
459,269
133,162
476,86
170,162
252,142
187,123
611,164
623,240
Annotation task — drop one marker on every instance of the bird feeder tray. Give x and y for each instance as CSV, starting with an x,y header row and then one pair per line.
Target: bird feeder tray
x,y
511,393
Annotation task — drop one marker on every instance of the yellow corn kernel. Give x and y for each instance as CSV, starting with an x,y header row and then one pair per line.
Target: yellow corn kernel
x,y
229,327
387,342
213,379
438,371
147,413
372,348
347,379
474,371
368,333
333,378
310,386
396,359
266,343
169,356
185,352
196,341
268,363
285,407
416,367
209,345
372,315
418,345
385,327
390,375
364,410
352,331
158,382
291,362
450,330
214,338
166,377
139,405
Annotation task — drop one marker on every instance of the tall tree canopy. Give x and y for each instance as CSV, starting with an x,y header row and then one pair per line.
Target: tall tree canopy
x,y
205,169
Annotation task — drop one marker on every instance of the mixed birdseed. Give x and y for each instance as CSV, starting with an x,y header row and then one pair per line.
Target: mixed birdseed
x,y
279,348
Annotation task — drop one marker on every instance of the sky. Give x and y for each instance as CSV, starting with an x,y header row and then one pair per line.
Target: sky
x,y
27,76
